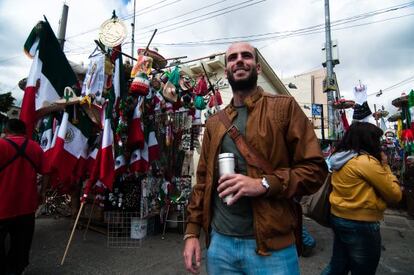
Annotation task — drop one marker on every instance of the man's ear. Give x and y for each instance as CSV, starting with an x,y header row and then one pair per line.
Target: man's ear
x,y
258,68
225,73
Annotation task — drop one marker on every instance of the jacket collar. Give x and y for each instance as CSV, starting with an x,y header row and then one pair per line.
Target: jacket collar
x,y
249,101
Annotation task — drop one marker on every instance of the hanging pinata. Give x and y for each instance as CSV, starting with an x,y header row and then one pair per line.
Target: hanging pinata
x,y
140,85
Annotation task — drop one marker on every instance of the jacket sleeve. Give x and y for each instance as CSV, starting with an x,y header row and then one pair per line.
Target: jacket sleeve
x,y
382,179
195,206
308,168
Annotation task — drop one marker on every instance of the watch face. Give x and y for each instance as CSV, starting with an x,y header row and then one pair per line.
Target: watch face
x,y
112,33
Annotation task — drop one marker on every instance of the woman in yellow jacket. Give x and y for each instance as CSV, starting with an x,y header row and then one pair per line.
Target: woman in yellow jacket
x,y
362,184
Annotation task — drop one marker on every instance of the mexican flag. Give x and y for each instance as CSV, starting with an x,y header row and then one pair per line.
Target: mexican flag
x,y
85,126
48,155
120,165
120,161
90,163
47,138
70,145
49,74
135,132
106,156
46,133
139,160
153,147
104,165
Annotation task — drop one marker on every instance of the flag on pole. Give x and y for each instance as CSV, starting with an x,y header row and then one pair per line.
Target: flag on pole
x,y
139,160
121,165
104,165
47,139
49,74
46,133
48,155
135,132
106,161
90,163
153,147
84,125
119,84
61,160
70,144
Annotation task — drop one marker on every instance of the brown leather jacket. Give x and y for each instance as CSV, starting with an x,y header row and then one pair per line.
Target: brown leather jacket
x,y
281,132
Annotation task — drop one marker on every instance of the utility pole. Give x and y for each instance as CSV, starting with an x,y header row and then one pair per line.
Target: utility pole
x,y
133,36
330,80
62,26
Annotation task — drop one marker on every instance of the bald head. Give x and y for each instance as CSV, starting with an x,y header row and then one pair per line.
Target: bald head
x,y
241,45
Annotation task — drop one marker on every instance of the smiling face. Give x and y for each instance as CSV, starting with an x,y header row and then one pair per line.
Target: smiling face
x,y
242,68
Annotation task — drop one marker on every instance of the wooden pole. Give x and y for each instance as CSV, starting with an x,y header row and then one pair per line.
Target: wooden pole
x,y
149,42
71,234
196,59
376,117
89,220
175,58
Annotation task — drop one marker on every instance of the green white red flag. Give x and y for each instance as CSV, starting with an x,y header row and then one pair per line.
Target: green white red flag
x,y
49,74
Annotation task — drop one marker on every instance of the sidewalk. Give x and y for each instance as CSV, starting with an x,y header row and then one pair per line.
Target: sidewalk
x,y
157,256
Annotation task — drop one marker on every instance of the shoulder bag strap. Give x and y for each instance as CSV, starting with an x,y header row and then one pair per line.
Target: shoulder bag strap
x,y
250,154
255,159
20,152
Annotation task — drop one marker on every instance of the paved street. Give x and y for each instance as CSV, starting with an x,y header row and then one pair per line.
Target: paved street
x,y
156,256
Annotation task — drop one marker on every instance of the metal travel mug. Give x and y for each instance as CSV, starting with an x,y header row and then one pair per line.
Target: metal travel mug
x,y
227,164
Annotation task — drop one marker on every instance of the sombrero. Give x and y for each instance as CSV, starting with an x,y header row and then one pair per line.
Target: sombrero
x,y
394,117
60,104
400,101
380,114
343,104
158,62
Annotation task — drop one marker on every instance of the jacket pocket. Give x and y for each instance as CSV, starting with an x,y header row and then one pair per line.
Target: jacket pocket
x,y
274,217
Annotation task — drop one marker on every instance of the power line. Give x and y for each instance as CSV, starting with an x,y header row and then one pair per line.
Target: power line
x,y
144,9
280,37
394,86
154,9
302,31
213,13
234,6
129,16
184,14
284,34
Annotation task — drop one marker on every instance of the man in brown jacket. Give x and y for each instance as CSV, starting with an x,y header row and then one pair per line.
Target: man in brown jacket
x,y
253,233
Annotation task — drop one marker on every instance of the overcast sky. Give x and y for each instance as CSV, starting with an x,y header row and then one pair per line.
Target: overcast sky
x,y
376,43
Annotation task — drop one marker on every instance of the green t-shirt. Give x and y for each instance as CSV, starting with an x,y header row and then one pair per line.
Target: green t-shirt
x,y
236,219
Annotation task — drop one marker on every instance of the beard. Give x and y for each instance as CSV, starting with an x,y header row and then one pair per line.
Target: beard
x,y
244,84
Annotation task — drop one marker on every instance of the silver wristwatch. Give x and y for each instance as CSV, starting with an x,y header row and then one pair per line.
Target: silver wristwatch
x,y
265,184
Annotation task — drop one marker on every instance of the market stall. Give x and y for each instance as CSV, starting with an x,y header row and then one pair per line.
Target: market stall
x,y
120,137
404,122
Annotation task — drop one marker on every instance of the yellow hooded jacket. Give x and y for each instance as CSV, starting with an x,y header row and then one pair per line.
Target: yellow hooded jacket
x,y
362,187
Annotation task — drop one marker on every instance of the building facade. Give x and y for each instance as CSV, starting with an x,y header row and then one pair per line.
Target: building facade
x,y
308,90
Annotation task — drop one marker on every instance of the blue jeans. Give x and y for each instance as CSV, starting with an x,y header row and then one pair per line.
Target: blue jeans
x,y
231,255
356,248
307,238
